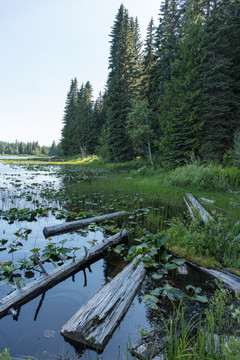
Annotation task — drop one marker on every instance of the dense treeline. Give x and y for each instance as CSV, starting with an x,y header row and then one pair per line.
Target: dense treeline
x,y
30,148
176,94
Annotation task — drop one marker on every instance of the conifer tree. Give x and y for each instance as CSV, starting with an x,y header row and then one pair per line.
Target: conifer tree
x,y
148,63
70,119
122,84
219,101
85,130
166,43
180,114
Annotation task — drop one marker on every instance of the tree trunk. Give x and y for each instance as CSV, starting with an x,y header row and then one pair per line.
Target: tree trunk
x,y
74,225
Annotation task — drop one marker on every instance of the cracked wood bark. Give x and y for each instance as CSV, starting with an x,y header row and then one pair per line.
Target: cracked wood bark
x,y
94,323
46,281
74,225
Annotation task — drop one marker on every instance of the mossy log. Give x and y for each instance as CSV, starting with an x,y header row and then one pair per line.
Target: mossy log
x,y
95,322
74,225
33,289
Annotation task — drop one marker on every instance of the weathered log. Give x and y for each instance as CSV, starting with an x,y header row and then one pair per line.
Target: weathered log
x,y
230,281
74,225
46,281
191,202
94,323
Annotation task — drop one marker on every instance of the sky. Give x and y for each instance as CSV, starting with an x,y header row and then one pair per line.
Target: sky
x,y
46,43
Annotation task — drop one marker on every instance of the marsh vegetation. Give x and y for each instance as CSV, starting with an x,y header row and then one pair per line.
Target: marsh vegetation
x,y
34,195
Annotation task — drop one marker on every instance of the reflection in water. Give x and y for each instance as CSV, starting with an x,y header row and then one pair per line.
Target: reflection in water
x,y
39,305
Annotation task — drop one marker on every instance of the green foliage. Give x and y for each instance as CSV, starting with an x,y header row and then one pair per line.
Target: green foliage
x,y
5,355
200,176
214,238
236,147
173,294
139,128
79,133
122,85
21,148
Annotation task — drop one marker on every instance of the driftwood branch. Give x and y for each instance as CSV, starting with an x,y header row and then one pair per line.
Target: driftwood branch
x,y
95,322
46,281
74,225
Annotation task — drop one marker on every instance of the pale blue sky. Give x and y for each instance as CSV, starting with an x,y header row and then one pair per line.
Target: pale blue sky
x,y
46,43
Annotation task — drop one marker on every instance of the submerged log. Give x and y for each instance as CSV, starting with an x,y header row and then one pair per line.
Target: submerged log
x,y
94,323
191,202
74,225
46,281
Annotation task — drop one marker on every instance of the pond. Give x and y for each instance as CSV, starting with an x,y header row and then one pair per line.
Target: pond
x,y
35,196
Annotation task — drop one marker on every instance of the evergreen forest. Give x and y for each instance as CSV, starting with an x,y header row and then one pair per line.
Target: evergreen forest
x,y
30,148
174,95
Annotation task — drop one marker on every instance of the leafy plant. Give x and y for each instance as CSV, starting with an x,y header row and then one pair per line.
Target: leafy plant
x,y
5,355
214,238
173,294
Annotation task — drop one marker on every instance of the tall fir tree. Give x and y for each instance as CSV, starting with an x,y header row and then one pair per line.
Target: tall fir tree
x,y
148,62
70,119
219,100
122,84
85,130
180,121
166,43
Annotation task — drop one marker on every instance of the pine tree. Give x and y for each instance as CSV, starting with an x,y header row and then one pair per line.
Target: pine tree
x,y
99,113
148,63
180,121
166,43
85,130
70,119
219,101
122,85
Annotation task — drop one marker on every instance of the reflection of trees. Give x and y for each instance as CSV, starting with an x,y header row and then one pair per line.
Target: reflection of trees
x,y
112,265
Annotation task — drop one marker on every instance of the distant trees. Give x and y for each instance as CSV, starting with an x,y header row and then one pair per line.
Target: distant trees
x,y
176,95
29,148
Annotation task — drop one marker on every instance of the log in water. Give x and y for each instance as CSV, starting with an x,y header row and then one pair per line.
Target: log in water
x,y
191,202
46,281
95,322
74,225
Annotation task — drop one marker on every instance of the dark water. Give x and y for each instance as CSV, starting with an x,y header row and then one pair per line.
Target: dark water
x,y
37,329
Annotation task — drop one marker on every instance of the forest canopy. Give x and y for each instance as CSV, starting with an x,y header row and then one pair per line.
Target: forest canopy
x,y
175,94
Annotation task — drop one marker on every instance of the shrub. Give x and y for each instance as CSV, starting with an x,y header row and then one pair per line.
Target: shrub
x,y
199,176
214,238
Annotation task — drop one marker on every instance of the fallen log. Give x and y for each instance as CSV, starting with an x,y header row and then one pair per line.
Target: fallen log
x,y
47,281
230,281
94,323
191,202
74,225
